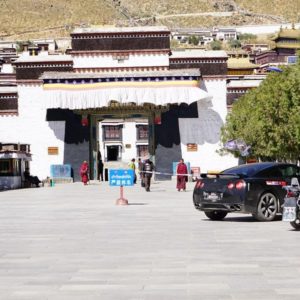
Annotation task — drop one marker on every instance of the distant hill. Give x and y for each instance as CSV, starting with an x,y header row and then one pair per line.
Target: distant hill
x,y
26,19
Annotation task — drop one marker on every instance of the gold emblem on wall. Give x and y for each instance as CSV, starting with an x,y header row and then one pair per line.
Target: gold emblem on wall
x,y
192,147
52,150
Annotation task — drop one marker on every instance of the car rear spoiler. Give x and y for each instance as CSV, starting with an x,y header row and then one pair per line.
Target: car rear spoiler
x,y
220,175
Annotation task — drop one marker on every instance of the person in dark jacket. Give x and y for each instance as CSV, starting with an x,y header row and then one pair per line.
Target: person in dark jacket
x,y
31,179
147,171
100,169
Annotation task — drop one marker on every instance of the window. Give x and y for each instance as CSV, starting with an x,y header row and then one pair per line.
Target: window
x,y
273,172
142,132
10,167
290,171
111,132
5,166
8,105
142,150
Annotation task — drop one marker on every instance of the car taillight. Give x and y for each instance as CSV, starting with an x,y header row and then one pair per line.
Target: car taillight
x,y
230,185
240,184
199,184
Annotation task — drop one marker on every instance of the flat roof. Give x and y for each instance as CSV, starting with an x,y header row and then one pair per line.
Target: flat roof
x,y
112,29
8,89
44,58
73,75
243,83
198,53
240,63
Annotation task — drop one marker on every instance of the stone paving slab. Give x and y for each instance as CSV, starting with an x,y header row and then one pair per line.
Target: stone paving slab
x,y
72,242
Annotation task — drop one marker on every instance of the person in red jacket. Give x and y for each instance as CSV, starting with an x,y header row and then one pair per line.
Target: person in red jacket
x,y
182,175
84,172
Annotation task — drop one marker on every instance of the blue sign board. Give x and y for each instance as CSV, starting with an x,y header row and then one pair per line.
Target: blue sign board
x,y
121,177
60,171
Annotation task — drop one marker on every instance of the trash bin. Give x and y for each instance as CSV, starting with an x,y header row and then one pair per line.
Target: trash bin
x,y
105,174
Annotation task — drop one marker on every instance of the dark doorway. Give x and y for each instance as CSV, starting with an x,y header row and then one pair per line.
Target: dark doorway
x,y
112,153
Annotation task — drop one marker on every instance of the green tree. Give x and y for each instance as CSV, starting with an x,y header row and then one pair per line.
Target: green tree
x,y
247,37
234,44
194,40
174,44
20,45
268,118
216,45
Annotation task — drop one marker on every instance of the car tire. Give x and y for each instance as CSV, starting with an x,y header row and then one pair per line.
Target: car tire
x,y
216,215
267,207
296,224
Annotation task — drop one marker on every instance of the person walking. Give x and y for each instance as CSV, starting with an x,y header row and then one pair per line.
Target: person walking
x,y
142,173
148,168
84,172
132,167
140,167
100,169
182,175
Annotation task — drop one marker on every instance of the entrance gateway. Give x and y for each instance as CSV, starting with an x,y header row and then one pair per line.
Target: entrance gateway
x,y
112,103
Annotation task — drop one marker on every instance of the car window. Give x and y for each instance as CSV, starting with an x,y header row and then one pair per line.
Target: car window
x,y
270,173
289,171
245,170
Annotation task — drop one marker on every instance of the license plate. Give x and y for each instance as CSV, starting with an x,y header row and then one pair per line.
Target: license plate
x,y
289,214
212,196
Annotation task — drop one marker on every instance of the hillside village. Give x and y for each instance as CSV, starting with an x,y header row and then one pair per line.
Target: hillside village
x,y
57,19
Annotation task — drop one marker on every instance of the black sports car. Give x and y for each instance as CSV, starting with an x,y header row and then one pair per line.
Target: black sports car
x,y
252,188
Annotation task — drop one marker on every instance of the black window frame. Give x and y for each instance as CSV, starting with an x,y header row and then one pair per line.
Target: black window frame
x,y
116,128
142,128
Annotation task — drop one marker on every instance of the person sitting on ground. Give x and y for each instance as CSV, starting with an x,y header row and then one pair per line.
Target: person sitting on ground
x,y
31,179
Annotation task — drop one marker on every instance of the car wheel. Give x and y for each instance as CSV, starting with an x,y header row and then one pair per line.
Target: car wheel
x,y
296,224
216,215
267,208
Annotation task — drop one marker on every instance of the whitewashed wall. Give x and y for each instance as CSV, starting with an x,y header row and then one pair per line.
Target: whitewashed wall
x,y
129,137
107,61
31,127
205,130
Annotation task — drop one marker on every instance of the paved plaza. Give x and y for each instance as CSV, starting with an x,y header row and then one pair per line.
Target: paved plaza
x,y
72,242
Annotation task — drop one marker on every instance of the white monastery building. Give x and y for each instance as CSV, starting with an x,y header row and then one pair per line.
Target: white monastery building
x,y
119,93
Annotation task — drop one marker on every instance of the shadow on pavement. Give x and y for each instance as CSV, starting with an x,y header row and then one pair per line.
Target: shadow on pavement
x,y
245,218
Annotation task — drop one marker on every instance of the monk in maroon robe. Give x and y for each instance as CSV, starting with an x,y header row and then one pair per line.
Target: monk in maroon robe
x,y
182,172
84,172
